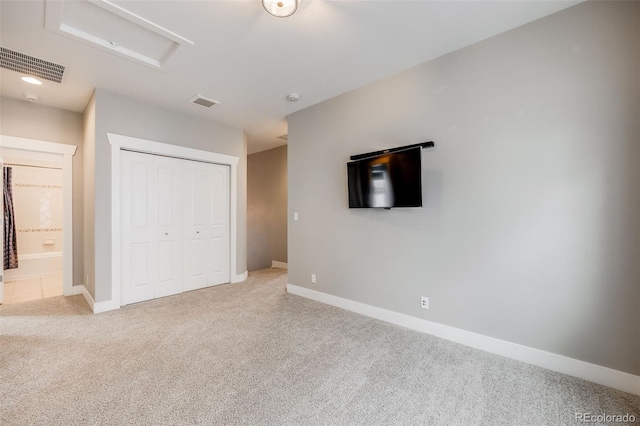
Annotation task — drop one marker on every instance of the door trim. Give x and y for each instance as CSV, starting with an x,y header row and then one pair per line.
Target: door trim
x,y
120,142
67,152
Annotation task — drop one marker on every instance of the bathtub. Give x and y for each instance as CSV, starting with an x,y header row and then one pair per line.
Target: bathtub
x,y
35,265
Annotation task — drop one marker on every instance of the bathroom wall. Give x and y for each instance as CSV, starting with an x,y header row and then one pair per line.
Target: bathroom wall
x,y
38,209
37,198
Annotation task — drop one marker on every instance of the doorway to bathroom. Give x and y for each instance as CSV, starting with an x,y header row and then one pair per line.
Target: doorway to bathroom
x,y
37,234
34,181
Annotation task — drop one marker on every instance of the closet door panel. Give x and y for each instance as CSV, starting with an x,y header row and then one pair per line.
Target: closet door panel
x,y
140,276
138,240
218,232
197,211
169,230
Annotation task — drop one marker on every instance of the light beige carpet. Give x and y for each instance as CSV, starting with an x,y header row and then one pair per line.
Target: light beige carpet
x,y
252,354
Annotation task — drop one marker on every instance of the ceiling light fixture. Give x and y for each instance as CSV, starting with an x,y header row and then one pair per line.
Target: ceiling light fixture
x,y
293,97
281,8
31,80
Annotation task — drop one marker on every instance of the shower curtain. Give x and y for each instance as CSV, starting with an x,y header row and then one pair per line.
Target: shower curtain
x,y
10,242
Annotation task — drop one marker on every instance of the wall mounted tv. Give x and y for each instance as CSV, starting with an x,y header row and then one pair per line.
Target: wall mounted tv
x,y
387,180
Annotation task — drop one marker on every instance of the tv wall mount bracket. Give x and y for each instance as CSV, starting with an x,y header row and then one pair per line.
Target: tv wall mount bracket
x,y
423,145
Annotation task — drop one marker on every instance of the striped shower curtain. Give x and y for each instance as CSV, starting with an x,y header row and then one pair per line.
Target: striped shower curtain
x,y
10,242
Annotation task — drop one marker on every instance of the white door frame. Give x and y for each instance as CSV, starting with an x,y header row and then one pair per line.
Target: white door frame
x,y
2,233
67,152
120,142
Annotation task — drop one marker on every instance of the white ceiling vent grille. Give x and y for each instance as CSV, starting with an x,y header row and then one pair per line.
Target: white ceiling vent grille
x,y
203,101
25,64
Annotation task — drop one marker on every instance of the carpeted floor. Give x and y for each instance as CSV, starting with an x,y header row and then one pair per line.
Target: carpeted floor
x,y
252,354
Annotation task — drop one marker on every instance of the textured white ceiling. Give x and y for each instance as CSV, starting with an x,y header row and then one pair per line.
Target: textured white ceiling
x,y
250,60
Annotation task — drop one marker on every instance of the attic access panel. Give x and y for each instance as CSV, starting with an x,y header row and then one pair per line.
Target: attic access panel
x,y
109,27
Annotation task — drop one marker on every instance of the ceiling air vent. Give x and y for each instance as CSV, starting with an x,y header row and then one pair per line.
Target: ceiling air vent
x,y
25,64
203,101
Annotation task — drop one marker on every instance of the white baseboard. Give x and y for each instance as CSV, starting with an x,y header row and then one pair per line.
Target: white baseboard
x,y
594,373
96,307
276,264
239,278
111,305
107,305
81,289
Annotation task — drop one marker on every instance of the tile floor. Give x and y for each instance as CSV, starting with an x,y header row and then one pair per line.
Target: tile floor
x,y
32,289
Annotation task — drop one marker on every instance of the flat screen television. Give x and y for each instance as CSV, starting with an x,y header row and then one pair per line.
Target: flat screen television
x,y
386,181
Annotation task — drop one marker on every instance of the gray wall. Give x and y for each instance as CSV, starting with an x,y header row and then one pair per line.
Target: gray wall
x,y
267,208
89,160
33,121
530,228
120,115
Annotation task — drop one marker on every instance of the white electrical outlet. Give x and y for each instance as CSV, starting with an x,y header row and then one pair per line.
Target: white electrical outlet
x,y
424,302
295,215
313,278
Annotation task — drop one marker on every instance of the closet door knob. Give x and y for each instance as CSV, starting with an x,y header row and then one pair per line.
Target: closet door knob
x,y
166,233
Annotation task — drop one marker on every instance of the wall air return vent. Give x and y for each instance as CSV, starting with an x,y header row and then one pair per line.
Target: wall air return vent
x,y
203,101
29,65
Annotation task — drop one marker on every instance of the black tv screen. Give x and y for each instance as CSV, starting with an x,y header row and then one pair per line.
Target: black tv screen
x,y
386,181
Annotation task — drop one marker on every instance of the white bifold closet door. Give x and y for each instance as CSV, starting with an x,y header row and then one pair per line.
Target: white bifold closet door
x,y
207,225
175,226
